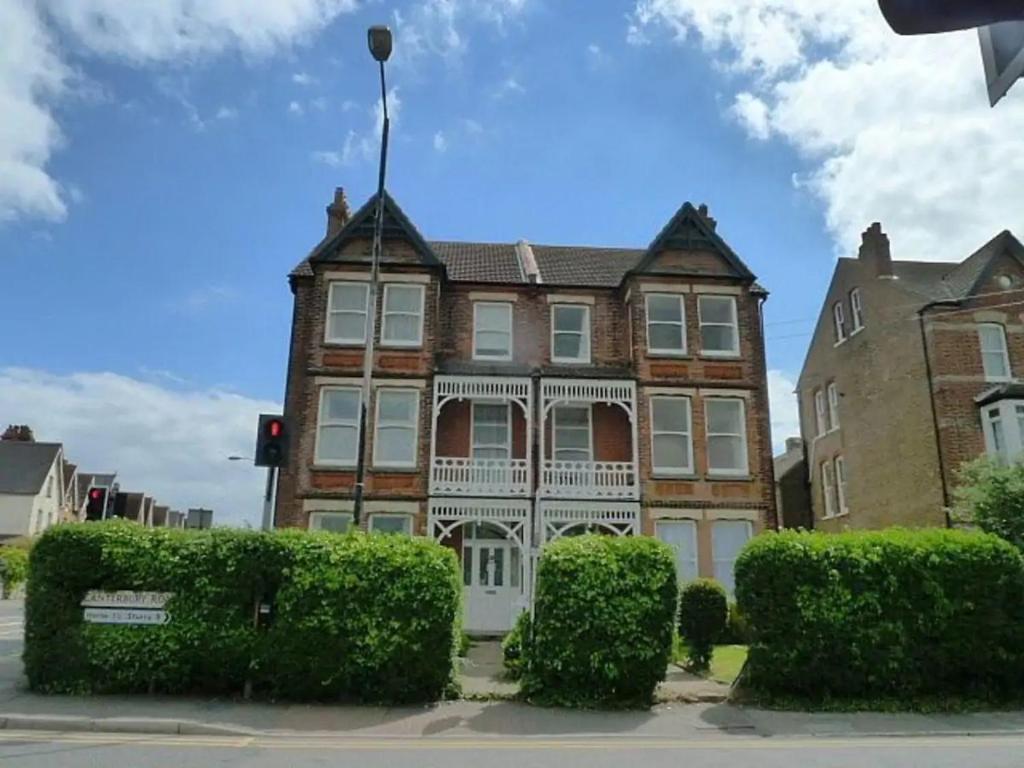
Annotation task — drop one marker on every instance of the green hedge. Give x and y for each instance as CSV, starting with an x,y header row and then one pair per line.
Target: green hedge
x,y
358,617
603,621
883,615
15,567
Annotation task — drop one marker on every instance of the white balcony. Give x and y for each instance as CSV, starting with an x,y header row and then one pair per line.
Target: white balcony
x,y
458,476
589,480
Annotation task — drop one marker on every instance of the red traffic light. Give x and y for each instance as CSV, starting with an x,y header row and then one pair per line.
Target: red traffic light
x,y
95,493
275,428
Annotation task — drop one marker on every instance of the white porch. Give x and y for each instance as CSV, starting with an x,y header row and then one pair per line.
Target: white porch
x,y
486,465
556,518
570,467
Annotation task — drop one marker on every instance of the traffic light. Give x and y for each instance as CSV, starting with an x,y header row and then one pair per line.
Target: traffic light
x,y
926,17
96,504
271,441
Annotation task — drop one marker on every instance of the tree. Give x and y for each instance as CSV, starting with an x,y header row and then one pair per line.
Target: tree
x,y
991,496
18,433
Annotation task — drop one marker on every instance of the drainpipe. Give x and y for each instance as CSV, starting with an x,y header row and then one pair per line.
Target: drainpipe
x,y
935,413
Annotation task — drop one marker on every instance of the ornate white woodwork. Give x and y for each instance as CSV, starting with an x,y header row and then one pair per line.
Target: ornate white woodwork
x,y
555,518
464,475
595,479
509,515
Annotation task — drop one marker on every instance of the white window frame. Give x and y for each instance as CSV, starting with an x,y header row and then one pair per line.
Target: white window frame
x,y
415,394
688,405
590,431
316,517
833,406
693,531
328,339
406,521
1004,352
320,424
715,561
584,334
828,488
820,413
839,322
839,473
993,415
742,434
856,311
473,445
681,323
385,314
735,325
507,306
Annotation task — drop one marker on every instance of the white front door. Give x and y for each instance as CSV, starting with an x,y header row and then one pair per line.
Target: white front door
x,y
491,577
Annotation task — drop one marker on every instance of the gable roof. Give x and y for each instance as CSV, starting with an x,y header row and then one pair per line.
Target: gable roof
x,y
690,229
24,466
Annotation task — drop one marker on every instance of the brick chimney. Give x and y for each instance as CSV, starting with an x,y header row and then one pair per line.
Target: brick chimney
x,y
703,211
20,433
337,212
874,251
794,445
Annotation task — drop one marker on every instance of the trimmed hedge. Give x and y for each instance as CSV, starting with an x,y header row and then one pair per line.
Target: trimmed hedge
x,y
15,568
703,617
371,618
892,614
603,621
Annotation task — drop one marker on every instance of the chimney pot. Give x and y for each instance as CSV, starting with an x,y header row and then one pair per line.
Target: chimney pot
x,y
875,251
337,212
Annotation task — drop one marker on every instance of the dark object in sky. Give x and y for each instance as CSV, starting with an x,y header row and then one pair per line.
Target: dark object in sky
x,y
271,441
925,17
379,40
1002,51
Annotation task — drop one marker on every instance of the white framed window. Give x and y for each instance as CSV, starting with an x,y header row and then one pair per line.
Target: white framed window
x,y
719,326
996,434
828,488
381,522
492,430
726,427
840,469
335,522
839,322
492,330
397,428
666,324
856,310
820,414
994,357
671,435
346,313
833,406
49,487
728,537
681,535
337,432
403,315
571,431
570,333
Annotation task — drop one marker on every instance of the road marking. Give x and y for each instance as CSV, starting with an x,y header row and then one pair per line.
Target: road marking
x,y
526,743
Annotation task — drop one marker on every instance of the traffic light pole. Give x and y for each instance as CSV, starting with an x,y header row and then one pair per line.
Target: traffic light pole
x,y
268,500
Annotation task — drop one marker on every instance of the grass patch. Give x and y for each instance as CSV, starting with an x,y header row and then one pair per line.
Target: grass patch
x,y
726,663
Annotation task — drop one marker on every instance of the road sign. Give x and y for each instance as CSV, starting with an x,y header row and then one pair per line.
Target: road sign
x,y
124,616
125,607
1002,51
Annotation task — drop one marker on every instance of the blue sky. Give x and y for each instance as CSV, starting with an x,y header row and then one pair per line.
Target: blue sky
x,y
147,251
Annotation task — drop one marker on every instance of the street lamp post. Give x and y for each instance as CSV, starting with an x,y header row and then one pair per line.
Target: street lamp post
x,y
379,40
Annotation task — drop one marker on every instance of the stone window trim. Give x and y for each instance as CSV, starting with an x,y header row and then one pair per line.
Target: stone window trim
x,y
390,290
995,357
856,311
686,435
506,329
652,350
411,425
839,323
733,325
584,333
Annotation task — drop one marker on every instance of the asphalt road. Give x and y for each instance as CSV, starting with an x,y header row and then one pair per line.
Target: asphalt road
x,y
36,750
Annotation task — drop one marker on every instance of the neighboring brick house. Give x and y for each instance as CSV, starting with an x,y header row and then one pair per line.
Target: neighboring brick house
x,y
792,486
525,392
910,373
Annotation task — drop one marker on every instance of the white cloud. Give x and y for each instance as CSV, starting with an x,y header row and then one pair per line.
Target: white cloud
x,y
302,78
327,157
35,78
202,298
895,129
319,103
440,142
509,85
363,146
437,27
168,442
784,410
294,108
226,113
472,127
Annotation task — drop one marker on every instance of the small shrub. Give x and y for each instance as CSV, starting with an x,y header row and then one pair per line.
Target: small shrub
x,y
889,614
703,613
736,631
990,495
14,563
512,646
603,619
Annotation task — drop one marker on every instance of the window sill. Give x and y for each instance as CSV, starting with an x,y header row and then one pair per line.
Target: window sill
x,y
390,470
480,359
564,361
654,353
401,347
321,467
719,477
662,475
720,356
855,331
841,342
345,344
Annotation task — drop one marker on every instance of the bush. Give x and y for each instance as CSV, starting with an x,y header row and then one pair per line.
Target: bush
x,y
895,614
14,561
990,495
736,631
512,647
703,613
603,619
370,618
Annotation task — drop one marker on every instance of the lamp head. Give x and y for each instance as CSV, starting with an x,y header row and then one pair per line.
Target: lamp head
x,y
379,39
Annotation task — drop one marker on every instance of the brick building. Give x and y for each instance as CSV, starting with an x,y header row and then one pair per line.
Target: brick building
x,y
526,392
910,373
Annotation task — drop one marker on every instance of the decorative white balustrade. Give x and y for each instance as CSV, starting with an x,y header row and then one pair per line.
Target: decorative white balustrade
x,y
589,480
459,476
